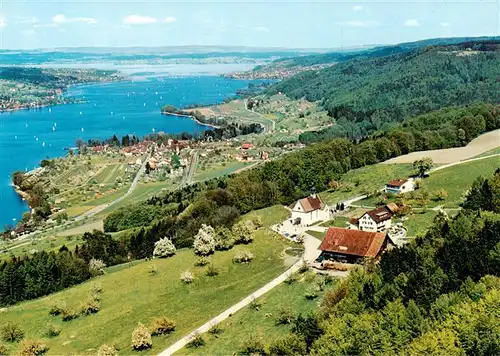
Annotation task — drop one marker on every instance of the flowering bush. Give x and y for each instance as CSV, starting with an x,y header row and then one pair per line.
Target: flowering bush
x,y
96,267
204,241
164,248
141,338
187,277
243,257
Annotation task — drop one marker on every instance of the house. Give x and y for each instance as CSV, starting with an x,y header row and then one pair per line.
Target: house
x,y
399,186
246,146
310,210
351,246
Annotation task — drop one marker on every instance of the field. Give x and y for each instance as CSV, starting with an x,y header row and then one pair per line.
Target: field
x,y
252,323
269,216
218,170
132,295
366,180
48,243
479,145
317,234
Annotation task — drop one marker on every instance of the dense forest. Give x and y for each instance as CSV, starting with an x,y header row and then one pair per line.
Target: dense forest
x,y
219,202
437,295
366,95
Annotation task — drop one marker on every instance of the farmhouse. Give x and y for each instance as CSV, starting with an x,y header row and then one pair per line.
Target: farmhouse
x,y
351,246
398,186
310,210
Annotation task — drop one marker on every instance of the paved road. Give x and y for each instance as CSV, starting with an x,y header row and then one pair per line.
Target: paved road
x,y
311,252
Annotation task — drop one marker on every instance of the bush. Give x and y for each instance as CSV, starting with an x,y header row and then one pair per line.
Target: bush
x,y
52,331
68,314
96,267
224,239
164,248
4,351
216,330
91,306
212,271
292,278
242,233
285,316
32,348
303,267
291,344
153,270
187,277
162,326
57,308
12,332
243,257
96,288
204,241
256,304
311,293
253,345
201,262
196,341
141,338
107,350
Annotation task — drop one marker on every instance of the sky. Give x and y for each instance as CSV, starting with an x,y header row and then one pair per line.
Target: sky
x,y
293,24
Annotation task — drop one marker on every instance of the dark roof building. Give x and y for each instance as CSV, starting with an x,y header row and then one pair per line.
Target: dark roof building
x,y
352,245
396,182
312,203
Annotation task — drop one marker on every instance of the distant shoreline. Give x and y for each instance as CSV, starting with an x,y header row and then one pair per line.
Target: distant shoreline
x,y
191,117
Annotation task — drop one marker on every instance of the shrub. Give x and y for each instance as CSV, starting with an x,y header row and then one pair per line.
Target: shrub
x,y
161,326
196,341
91,306
216,330
224,239
201,262
291,344
204,241
153,270
212,271
243,257
32,348
285,316
292,278
68,314
52,331
311,293
256,221
96,288
57,308
253,345
303,267
187,277
242,233
164,248
141,338
107,350
256,304
96,267
4,351
12,332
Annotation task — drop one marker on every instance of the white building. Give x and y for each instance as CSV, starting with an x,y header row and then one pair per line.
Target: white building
x,y
310,210
399,186
376,220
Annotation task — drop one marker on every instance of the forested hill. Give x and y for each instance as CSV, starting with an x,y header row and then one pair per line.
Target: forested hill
x,y
364,95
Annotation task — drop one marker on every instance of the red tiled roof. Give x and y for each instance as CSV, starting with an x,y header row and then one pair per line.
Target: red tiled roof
x,y
380,214
393,207
246,146
311,203
353,221
353,242
397,182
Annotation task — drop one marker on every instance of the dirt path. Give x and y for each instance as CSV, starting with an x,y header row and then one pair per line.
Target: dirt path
x,y
481,144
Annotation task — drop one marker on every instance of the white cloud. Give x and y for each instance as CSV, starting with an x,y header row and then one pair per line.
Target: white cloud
x,y
3,22
28,32
359,23
412,23
357,8
63,19
261,29
45,25
26,20
445,24
146,20
169,19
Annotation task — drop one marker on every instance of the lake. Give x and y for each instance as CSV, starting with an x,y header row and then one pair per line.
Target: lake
x,y
128,107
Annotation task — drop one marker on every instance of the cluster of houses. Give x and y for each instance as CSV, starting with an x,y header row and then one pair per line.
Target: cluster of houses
x,y
246,155
364,237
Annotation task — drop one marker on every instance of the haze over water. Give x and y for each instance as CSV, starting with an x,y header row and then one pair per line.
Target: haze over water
x,y
129,107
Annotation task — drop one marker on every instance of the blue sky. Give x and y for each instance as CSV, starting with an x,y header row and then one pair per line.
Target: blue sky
x,y
306,24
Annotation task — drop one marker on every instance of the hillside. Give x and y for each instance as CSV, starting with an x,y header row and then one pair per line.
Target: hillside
x,y
367,94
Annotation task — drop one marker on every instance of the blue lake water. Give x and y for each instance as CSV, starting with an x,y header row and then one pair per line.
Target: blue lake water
x,y
129,107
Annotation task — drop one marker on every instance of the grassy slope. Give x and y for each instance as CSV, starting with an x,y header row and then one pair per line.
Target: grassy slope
x,y
132,295
248,322
368,179
270,216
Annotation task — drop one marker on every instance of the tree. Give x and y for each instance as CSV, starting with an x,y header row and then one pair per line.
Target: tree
x,y
164,248
423,165
204,241
224,239
291,344
141,338
242,232
96,267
